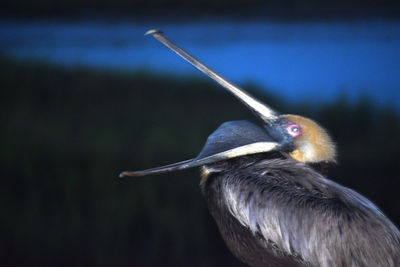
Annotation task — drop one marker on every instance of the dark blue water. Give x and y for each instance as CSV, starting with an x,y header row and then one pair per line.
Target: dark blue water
x,y
295,60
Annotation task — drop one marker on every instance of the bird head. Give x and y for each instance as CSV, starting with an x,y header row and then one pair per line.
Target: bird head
x,y
307,141
293,136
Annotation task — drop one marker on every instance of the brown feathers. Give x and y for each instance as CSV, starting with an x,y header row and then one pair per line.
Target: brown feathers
x,y
314,145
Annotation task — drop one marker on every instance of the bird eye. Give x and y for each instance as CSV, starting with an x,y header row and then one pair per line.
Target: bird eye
x,y
293,129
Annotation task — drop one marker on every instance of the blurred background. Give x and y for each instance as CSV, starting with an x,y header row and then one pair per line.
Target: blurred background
x,y
84,95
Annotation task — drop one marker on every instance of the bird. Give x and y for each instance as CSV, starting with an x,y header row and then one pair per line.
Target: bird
x,y
265,187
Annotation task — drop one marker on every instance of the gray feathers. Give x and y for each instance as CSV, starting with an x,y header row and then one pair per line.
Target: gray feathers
x,y
295,214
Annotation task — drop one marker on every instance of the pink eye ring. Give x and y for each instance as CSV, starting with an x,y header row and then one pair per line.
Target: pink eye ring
x,y
293,129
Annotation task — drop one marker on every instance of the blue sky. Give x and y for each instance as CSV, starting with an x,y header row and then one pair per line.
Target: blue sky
x,y
298,61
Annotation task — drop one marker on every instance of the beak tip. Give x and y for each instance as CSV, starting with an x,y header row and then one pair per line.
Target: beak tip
x,y
122,175
153,31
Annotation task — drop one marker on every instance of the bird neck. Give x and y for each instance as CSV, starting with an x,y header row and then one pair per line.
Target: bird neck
x,y
207,171
323,167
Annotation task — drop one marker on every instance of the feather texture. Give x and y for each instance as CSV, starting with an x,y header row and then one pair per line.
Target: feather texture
x,y
280,212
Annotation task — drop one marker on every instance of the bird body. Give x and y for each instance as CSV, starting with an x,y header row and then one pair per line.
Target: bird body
x,y
280,212
271,205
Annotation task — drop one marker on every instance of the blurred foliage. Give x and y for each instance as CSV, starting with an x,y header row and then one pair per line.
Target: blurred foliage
x,y
67,133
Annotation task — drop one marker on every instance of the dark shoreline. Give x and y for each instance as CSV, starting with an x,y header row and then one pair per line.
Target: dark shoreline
x,y
277,12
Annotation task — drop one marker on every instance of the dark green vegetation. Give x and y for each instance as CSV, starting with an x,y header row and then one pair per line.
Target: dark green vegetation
x,y
67,133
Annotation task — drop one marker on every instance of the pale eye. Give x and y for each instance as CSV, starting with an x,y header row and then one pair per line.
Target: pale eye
x,y
293,129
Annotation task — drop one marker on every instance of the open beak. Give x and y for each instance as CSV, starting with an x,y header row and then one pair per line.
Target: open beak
x,y
231,139
259,147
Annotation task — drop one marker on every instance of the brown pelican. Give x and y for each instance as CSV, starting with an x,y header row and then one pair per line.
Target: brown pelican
x,y
272,205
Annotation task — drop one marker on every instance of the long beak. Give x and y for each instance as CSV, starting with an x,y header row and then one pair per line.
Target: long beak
x,y
231,139
253,148
260,109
